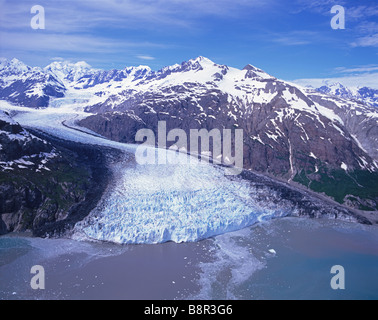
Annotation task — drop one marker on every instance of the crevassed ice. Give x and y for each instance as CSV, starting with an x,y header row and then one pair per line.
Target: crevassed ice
x,y
180,203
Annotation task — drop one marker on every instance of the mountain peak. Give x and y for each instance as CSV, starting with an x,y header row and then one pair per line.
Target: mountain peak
x,y
253,72
3,63
16,61
201,59
138,68
67,65
67,70
336,84
14,65
250,67
83,64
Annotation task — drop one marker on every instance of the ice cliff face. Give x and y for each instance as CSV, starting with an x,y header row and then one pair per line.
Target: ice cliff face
x,y
178,203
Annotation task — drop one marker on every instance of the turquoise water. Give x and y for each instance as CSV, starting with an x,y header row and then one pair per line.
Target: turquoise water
x,y
282,259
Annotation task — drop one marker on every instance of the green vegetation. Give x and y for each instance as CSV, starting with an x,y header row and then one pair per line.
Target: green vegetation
x,y
338,184
302,178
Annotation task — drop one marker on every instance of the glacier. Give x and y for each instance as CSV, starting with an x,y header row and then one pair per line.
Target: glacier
x,y
180,203
146,204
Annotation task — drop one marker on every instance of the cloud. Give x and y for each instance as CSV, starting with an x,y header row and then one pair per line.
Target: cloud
x,y
143,57
360,80
365,30
359,69
361,12
36,47
317,6
358,76
112,26
368,27
367,41
291,41
80,16
351,76
299,38
358,19
57,59
46,42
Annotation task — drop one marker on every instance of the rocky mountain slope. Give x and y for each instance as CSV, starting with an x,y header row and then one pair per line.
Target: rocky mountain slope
x,y
45,186
324,141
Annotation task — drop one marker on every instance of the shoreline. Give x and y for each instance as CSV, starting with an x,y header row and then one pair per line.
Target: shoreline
x,y
309,203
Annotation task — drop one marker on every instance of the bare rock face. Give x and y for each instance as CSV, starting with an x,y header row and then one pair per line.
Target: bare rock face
x,y
360,121
16,142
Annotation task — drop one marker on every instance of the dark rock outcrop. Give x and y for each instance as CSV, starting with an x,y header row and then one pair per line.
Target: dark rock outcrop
x,y
47,185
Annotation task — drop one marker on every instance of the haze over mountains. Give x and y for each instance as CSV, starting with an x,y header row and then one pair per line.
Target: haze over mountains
x,y
324,138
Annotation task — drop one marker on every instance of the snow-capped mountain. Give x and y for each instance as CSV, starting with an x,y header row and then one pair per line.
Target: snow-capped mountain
x,y
369,95
26,86
363,94
68,72
294,133
274,114
112,78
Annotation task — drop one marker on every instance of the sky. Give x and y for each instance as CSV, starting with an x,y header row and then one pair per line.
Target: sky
x,y
290,39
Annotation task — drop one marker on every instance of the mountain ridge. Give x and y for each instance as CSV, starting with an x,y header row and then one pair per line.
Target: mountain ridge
x,y
295,133
363,94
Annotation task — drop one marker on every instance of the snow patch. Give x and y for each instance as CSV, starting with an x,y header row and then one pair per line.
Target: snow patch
x,y
258,139
313,156
358,143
